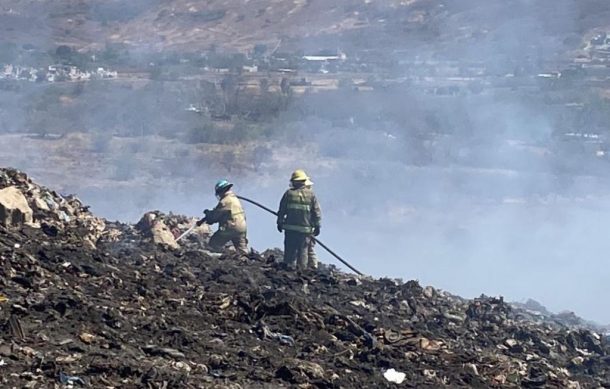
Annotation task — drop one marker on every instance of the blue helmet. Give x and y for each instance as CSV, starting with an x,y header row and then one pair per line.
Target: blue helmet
x,y
222,186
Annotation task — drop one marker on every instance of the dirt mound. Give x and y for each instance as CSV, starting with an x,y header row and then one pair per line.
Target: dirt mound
x,y
130,313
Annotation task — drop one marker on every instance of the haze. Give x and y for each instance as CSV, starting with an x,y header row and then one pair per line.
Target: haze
x,y
461,145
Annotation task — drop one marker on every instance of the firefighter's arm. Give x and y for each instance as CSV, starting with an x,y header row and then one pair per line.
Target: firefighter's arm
x,y
217,214
316,213
281,213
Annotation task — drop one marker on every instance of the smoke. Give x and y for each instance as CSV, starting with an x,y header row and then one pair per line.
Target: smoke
x,y
459,184
466,193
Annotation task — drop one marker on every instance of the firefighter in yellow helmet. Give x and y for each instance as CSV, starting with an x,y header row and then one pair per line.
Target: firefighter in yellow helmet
x,y
230,217
299,217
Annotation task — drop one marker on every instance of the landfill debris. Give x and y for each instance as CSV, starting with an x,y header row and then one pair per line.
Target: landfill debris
x,y
266,333
163,351
87,338
14,208
394,376
125,311
165,229
70,379
157,230
24,202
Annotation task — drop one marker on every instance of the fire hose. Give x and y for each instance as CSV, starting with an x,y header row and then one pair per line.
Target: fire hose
x,y
314,238
185,233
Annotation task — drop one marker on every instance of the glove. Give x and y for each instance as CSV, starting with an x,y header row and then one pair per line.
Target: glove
x,y
279,228
200,222
316,231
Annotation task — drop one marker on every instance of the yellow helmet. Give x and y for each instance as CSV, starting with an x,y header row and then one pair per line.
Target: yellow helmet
x,y
300,175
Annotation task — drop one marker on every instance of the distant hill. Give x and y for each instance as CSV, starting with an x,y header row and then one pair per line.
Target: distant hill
x,y
453,27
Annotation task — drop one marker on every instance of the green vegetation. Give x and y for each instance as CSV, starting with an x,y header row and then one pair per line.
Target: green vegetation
x,y
227,134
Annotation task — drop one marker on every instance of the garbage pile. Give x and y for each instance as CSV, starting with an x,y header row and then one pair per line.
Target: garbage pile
x,y
153,316
164,229
533,311
24,202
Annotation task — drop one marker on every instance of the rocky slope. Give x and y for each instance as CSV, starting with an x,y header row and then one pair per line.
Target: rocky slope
x,y
117,310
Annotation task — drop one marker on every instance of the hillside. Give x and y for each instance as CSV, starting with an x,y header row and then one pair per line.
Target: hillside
x,y
89,302
189,25
304,24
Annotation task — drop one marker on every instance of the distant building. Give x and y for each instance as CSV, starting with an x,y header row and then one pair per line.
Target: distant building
x,y
599,39
103,73
53,73
340,56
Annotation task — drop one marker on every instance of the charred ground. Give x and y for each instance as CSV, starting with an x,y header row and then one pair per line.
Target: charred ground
x,y
90,299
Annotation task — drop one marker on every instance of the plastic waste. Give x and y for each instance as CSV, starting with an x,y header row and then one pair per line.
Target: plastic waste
x,y
394,376
70,379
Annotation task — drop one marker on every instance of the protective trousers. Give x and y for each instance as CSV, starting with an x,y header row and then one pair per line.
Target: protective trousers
x,y
311,254
222,237
296,249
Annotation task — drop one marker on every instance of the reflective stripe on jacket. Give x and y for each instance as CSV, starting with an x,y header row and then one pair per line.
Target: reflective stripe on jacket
x,y
299,210
229,214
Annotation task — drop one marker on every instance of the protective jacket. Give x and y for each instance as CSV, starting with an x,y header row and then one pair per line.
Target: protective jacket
x,y
299,211
229,214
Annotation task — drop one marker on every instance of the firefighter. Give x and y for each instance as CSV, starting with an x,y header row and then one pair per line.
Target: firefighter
x,y
230,217
299,217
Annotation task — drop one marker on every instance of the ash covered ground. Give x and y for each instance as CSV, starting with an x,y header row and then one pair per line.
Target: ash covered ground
x,y
87,302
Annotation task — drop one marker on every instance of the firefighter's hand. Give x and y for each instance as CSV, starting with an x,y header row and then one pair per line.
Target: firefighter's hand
x,y
279,228
316,231
206,211
200,222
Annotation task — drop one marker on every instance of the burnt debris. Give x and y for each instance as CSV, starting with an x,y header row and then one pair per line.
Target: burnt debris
x,y
86,302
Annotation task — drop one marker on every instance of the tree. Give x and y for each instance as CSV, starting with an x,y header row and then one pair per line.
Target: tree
x,y
230,92
228,160
285,86
259,50
264,85
63,52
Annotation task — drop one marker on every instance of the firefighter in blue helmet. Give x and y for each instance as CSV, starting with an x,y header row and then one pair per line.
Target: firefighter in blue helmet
x,y
230,217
